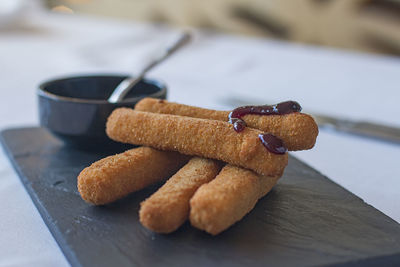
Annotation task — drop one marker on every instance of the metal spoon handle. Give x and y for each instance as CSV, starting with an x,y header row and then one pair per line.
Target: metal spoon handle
x,y
126,85
182,40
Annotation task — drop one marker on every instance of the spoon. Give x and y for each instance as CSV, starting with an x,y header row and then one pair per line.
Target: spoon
x,y
127,84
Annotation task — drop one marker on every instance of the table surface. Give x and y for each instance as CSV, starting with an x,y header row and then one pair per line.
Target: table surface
x,y
214,66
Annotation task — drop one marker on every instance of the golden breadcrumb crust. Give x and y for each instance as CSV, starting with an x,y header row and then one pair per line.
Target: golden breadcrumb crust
x,y
116,176
228,198
297,130
168,208
192,136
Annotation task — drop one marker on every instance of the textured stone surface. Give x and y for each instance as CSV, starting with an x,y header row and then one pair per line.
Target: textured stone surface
x,y
305,220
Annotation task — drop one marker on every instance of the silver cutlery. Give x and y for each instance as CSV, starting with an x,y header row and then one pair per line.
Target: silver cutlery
x,y
126,85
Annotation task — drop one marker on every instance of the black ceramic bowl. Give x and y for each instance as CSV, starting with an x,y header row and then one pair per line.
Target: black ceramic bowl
x,y
75,109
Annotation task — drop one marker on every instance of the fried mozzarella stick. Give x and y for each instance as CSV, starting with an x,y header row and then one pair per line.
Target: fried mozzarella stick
x,y
228,198
168,208
114,177
192,136
298,130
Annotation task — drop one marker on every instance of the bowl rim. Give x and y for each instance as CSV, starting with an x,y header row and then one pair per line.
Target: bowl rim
x,y
44,93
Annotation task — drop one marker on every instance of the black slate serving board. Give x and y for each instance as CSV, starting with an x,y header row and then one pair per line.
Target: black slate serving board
x,y
306,220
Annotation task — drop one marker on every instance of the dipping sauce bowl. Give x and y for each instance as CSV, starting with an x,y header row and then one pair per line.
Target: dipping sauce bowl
x,y
75,109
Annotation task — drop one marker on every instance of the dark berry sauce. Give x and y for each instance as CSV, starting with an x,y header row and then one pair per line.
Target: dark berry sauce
x,y
271,142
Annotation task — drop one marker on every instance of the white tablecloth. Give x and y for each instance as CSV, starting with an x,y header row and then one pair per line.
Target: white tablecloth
x,y
339,83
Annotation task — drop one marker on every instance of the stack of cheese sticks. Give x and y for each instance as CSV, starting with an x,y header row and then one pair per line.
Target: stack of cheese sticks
x,y
216,174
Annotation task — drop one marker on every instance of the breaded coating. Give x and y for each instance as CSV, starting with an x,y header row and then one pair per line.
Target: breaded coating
x,y
168,208
297,130
114,177
155,105
192,136
228,198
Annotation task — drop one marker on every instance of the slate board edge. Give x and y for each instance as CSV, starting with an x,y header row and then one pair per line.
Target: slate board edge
x,y
388,260
343,188
68,253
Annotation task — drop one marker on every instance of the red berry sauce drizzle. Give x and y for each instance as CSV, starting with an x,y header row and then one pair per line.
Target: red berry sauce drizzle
x,y
271,142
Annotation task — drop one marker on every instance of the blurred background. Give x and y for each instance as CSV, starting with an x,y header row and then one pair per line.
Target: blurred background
x,y
364,25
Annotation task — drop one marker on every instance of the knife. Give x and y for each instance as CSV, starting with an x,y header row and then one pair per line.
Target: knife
x,y
361,128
